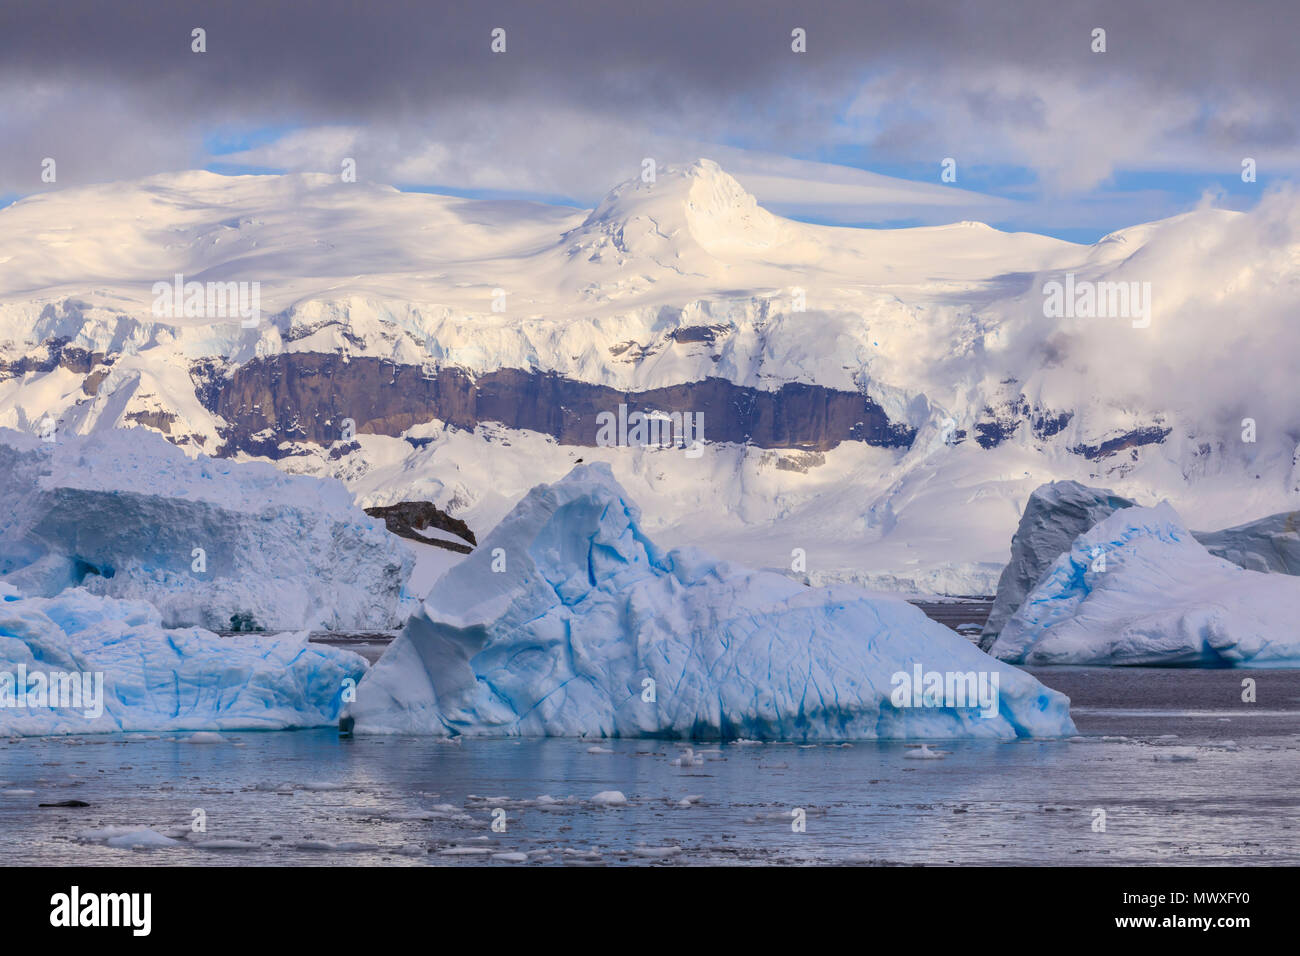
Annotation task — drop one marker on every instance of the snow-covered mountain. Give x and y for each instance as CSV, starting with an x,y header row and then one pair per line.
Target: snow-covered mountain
x,y
877,404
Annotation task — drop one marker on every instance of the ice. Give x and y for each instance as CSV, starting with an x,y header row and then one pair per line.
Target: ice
x,y
127,837
1055,514
925,753
1269,544
125,513
656,852
588,628
1139,589
150,678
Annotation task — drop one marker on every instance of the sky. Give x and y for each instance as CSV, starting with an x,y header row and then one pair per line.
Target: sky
x,y
1044,133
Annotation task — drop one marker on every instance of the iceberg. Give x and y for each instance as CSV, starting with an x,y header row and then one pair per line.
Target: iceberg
x,y
1270,544
117,669
1138,588
1055,514
569,621
214,543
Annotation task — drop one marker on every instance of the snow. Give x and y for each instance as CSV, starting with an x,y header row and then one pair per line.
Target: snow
x,y
937,323
1139,589
589,629
157,679
122,513
1054,516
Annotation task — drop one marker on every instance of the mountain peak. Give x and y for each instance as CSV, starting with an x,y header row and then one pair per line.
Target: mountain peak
x,y
697,204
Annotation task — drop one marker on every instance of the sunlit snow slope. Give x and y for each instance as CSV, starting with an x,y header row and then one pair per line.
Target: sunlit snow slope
x,y
878,404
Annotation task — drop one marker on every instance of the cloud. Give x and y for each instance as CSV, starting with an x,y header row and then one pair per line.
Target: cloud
x,y
585,90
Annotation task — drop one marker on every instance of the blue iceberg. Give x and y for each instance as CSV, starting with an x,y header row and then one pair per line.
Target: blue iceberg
x,y
79,663
1139,589
569,621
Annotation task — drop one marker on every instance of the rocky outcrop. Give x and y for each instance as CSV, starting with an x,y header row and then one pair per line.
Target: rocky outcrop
x,y
306,397
55,353
1148,435
408,518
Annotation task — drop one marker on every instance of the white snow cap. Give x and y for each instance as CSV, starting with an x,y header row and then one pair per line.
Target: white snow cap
x,y
567,621
698,204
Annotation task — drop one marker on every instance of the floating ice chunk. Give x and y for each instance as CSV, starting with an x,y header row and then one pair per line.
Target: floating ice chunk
x,y
127,837
689,758
924,752
656,852
204,737
610,798
511,857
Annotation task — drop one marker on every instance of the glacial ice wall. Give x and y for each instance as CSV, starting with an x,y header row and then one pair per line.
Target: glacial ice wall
x,y
124,513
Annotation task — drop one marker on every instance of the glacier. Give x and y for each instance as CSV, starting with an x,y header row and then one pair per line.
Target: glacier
x,y
569,621
1139,589
124,513
158,679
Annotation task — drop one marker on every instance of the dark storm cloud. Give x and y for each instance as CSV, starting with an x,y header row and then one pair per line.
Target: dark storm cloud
x,y
347,61
586,89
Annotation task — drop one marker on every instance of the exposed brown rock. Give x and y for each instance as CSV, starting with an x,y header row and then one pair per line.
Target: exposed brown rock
x,y
408,518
